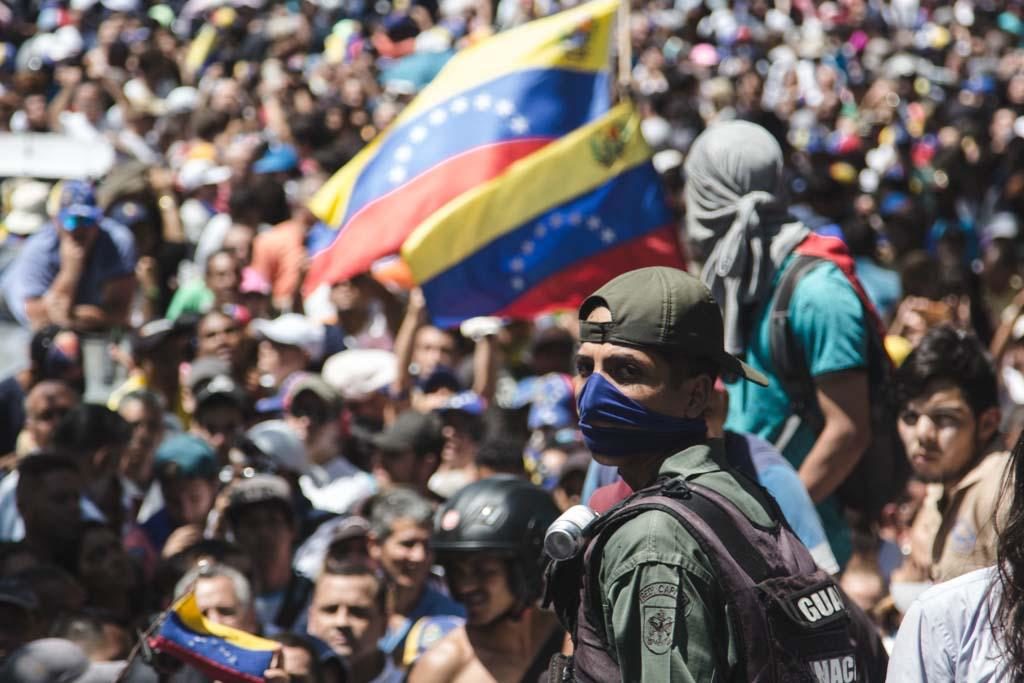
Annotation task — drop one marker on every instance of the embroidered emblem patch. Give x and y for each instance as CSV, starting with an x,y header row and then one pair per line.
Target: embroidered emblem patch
x,y
659,603
659,625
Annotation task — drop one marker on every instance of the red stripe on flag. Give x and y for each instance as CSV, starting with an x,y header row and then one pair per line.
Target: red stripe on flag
x,y
568,288
380,227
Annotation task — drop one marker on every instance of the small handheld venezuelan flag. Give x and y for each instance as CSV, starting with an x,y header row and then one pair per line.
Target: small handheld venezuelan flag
x,y
221,652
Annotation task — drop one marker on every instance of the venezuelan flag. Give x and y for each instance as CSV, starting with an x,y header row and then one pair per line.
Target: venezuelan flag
x,y
492,104
553,228
223,653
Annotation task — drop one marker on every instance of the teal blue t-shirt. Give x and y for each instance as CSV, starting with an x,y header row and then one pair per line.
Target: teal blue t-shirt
x,y
829,324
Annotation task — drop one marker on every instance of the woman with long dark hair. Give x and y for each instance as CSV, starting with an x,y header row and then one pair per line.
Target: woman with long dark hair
x,y
972,628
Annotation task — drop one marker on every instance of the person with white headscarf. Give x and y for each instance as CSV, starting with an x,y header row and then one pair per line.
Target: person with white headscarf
x,y
737,219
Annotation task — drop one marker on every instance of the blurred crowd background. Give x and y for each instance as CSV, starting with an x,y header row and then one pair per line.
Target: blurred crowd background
x,y
227,430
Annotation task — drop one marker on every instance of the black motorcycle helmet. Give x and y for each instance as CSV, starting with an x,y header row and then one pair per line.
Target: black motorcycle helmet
x,y
504,515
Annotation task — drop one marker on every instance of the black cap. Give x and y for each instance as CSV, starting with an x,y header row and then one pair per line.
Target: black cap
x,y
154,333
259,489
663,308
220,387
420,432
204,369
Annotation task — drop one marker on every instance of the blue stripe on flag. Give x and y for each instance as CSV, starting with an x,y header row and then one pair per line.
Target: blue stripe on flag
x,y
628,206
534,103
215,651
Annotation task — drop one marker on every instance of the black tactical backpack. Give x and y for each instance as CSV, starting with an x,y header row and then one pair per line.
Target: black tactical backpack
x,y
794,623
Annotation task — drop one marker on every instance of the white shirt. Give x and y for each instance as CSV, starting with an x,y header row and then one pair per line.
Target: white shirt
x,y
947,634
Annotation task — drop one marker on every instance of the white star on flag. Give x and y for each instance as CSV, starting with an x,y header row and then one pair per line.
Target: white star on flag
x,y
575,219
527,247
459,105
517,264
557,220
607,235
593,222
418,134
540,230
518,283
403,154
519,125
482,102
396,175
504,107
437,117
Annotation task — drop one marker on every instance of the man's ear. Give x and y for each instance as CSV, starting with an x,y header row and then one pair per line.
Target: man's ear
x,y
988,423
700,397
373,546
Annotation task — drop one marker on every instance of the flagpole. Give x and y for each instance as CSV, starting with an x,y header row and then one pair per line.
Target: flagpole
x,y
141,644
625,50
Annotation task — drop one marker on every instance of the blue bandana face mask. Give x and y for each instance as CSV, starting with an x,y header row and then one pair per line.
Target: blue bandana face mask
x,y
629,428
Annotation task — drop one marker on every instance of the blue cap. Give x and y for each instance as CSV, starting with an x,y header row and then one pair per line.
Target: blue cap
x,y
185,456
893,203
441,377
128,213
78,207
279,159
554,402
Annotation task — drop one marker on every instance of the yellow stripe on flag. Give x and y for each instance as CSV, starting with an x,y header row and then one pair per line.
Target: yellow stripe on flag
x,y
577,163
577,39
188,611
545,43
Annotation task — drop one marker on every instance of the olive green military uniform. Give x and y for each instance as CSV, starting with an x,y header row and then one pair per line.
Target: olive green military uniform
x,y
661,610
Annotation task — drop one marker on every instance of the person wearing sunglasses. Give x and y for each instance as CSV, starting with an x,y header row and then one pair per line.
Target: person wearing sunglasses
x,y
77,272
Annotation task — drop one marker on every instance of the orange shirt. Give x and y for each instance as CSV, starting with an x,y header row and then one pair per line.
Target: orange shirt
x,y
277,255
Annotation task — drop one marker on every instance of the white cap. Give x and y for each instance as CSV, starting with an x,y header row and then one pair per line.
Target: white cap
x,y
359,373
128,6
666,160
196,173
293,329
656,131
1002,225
28,208
182,99
279,442
67,43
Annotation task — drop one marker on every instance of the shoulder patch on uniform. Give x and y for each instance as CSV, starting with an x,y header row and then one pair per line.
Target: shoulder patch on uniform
x,y
659,604
660,589
658,626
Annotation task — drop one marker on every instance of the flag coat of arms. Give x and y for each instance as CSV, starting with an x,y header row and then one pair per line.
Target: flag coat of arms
x,y
491,105
550,230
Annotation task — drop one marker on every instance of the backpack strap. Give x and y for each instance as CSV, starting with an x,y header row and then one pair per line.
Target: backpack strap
x,y
669,496
541,661
789,366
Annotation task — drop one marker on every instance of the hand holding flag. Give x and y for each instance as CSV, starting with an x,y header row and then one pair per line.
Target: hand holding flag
x,y
221,652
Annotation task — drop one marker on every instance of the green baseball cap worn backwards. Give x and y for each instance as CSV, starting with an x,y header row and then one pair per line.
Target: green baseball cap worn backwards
x,y
664,308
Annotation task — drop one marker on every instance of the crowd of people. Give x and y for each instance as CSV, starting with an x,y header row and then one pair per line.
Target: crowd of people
x,y
334,472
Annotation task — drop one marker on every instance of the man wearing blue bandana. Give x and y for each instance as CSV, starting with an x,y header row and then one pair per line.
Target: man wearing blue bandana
x,y
651,605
